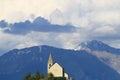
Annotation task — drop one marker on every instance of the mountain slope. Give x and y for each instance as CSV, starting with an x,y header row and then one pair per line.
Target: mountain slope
x,y
95,45
80,65
105,53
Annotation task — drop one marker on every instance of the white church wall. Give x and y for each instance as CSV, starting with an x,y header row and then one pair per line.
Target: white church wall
x,y
66,75
56,70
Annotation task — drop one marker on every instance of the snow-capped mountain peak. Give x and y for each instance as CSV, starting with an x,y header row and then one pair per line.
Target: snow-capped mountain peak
x,y
94,45
88,44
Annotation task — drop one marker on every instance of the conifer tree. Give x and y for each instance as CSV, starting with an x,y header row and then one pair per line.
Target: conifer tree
x,y
28,76
37,75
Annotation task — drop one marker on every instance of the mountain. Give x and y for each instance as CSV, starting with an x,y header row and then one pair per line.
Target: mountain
x,y
104,52
80,64
95,45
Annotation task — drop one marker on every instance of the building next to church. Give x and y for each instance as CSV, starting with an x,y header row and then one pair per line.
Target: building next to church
x,y
56,69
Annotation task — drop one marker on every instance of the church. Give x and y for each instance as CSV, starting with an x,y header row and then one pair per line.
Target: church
x,y
56,69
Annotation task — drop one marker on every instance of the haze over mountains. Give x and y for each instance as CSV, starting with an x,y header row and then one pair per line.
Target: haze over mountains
x,y
94,60
106,53
23,34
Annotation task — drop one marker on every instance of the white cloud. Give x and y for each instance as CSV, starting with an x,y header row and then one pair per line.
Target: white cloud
x,y
106,4
64,40
57,17
7,41
106,17
104,31
94,18
75,11
10,8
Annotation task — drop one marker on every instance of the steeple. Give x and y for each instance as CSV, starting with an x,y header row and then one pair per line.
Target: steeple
x,y
50,61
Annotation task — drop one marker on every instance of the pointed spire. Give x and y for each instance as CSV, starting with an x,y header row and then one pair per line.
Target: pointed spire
x,y
50,61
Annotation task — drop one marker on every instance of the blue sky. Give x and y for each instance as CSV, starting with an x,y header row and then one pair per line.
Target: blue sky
x,y
66,22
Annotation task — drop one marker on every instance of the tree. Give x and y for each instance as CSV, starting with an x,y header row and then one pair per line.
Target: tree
x,y
50,75
28,76
32,78
37,75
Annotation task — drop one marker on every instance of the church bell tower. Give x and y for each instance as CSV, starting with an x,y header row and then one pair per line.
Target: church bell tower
x,y
50,61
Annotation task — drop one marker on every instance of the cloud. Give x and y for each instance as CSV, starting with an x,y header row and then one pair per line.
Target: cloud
x,y
106,4
57,17
106,17
105,30
90,19
19,10
3,24
79,13
39,24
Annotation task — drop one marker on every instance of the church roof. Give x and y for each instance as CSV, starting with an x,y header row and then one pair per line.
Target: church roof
x,y
58,64
50,59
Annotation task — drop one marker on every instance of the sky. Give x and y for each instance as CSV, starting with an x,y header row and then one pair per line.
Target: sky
x,y
63,23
